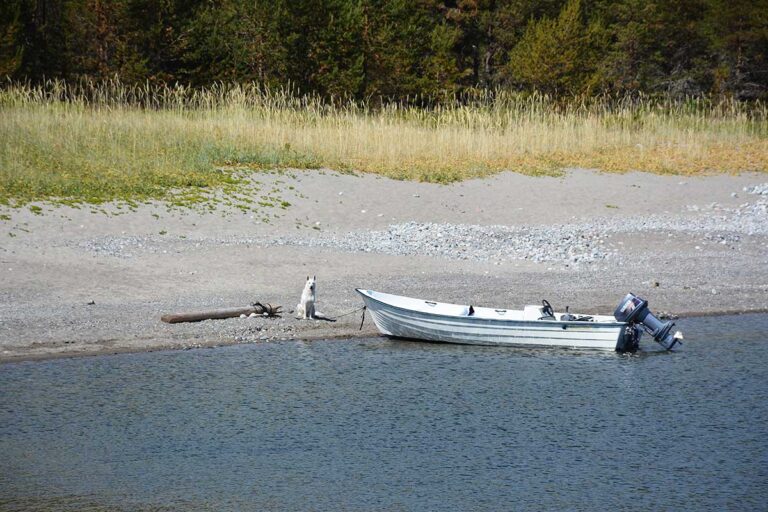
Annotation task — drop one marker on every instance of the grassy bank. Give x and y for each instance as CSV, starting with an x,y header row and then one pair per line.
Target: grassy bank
x,y
102,142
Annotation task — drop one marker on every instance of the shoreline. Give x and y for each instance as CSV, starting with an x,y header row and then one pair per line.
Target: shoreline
x,y
346,335
83,283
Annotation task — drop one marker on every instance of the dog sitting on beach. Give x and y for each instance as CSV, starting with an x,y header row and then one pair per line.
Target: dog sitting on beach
x,y
305,309
306,306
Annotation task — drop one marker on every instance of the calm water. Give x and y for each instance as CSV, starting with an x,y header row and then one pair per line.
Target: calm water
x,y
374,425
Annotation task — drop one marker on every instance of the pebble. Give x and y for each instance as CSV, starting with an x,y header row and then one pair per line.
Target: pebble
x,y
469,242
761,189
565,243
576,243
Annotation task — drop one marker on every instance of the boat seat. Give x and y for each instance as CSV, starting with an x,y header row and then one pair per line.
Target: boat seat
x,y
532,312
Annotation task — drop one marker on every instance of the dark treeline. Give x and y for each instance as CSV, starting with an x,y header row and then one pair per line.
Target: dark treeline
x,y
397,48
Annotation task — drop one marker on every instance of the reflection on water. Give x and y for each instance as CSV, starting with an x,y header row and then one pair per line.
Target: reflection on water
x,y
373,424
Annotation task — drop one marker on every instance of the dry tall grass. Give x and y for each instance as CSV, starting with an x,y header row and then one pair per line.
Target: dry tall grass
x,y
96,142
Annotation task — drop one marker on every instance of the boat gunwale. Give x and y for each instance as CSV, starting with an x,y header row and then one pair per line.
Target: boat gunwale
x,y
475,318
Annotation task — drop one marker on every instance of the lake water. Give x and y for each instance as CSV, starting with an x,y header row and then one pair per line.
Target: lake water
x,y
374,424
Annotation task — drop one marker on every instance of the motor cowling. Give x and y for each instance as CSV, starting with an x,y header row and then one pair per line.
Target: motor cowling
x,y
634,310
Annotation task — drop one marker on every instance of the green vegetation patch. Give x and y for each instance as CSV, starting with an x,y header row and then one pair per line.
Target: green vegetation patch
x,y
79,146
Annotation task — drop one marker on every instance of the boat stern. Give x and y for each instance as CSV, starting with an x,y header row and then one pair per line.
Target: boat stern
x,y
629,339
634,310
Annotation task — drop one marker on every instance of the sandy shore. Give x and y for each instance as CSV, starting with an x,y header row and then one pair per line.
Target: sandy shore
x,y
76,282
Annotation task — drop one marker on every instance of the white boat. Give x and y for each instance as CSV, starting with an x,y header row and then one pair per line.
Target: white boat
x,y
536,326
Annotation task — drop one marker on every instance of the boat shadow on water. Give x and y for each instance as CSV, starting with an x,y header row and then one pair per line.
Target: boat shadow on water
x,y
415,344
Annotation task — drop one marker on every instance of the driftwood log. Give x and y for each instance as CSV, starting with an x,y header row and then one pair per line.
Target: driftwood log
x,y
216,314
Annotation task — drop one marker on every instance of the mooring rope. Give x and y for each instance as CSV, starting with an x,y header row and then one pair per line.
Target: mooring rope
x,y
350,313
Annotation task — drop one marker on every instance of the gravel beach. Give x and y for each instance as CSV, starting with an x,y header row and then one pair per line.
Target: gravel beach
x,y
96,280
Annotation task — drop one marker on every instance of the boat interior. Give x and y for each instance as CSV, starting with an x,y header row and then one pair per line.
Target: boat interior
x,y
528,313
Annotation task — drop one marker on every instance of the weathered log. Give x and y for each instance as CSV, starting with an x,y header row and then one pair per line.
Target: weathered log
x,y
217,314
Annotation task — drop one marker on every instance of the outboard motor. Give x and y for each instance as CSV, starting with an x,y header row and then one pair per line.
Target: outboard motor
x,y
634,310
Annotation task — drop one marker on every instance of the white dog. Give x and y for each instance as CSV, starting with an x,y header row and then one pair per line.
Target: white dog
x,y
306,307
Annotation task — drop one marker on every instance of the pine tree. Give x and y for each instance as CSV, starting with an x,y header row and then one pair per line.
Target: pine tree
x,y
42,40
555,55
685,52
96,42
235,40
738,31
442,77
633,60
398,49
396,39
159,36
337,51
503,25
11,31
